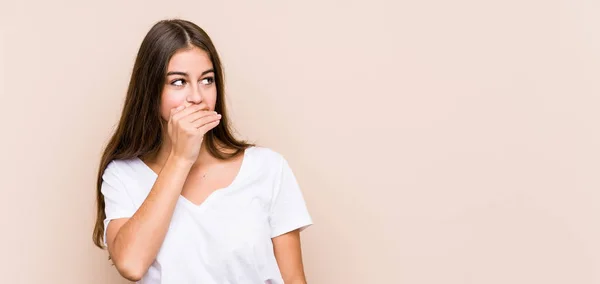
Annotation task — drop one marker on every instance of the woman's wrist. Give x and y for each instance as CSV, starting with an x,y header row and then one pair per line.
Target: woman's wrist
x,y
179,162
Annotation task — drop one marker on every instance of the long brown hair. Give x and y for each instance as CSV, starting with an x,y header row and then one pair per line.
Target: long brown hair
x,y
139,131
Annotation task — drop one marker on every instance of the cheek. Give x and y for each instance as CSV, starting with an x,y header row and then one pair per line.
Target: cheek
x,y
170,100
211,98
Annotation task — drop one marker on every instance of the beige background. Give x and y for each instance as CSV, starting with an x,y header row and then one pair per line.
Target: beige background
x,y
435,141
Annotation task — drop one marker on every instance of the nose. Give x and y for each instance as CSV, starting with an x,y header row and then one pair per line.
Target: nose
x,y
195,95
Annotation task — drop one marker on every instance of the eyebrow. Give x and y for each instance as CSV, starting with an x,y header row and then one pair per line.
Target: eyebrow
x,y
186,74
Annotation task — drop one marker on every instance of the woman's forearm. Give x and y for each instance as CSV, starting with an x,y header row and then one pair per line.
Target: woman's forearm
x,y
138,240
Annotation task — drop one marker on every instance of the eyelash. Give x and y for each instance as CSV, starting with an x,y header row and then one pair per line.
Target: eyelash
x,y
211,81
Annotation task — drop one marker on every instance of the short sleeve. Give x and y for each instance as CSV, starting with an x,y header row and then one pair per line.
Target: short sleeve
x,y
288,208
117,202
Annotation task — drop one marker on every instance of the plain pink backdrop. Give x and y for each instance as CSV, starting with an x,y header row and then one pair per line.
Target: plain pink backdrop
x,y
435,141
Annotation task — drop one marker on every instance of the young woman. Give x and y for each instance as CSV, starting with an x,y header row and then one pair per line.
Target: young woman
x,y
180,200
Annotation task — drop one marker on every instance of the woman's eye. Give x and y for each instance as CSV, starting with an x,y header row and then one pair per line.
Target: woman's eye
x,y
178,82
208,80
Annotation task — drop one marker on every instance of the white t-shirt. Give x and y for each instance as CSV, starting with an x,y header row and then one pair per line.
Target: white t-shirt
x,y
227,238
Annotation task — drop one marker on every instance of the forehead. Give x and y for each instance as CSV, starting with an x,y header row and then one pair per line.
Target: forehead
x,y
190,60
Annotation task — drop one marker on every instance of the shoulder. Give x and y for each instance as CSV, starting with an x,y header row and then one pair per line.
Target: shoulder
x,y
266,163
121,169
266,156
128,176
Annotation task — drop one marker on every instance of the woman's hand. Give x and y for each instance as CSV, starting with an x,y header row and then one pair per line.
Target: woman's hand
x,y
186,128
